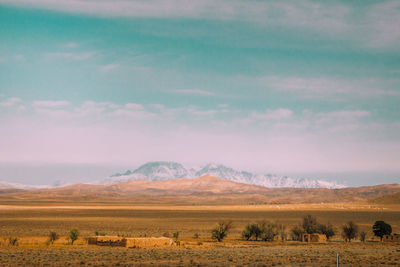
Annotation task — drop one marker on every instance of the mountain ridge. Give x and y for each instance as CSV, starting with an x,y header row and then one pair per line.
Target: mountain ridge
x,y
163,170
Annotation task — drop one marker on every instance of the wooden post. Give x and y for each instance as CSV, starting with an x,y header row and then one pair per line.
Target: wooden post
x,y
337,259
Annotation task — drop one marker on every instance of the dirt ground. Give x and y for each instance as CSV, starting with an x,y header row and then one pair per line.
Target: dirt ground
x,y
272,254
32,223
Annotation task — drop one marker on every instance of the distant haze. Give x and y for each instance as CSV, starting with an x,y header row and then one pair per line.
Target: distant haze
x,y
45,174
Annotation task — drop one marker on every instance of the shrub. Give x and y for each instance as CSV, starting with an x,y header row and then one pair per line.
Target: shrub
x,y
269,231
349,231
73,235
13,241
380,228
176,235
363,236
53,236
297,233
328,230
246,233
220,231
252,229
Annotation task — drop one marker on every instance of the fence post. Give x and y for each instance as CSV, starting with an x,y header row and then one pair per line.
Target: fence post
x,y
337,259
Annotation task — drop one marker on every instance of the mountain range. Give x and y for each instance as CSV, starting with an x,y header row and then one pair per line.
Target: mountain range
x,y
205,190
160,170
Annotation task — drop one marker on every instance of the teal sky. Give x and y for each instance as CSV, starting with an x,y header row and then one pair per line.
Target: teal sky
x,y
269,86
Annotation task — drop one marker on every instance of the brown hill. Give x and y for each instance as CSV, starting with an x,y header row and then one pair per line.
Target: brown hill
x,y
390,199
202,190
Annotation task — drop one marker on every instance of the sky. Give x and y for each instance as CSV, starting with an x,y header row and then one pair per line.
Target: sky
x,y
88,88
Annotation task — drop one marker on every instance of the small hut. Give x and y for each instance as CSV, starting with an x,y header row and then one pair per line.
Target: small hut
x,y
130,242
313,238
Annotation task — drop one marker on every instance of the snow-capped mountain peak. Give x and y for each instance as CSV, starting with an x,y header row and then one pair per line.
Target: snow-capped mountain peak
x,y
161,170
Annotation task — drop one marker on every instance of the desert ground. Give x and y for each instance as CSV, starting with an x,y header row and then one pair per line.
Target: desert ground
x,y
32,223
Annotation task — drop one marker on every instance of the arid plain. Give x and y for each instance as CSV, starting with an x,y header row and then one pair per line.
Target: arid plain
x,y
31,223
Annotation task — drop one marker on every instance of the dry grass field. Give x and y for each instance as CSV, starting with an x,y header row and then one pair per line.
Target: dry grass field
x,y
31,223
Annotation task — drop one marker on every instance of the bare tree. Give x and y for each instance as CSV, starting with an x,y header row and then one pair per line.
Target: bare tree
x,y
363,235
297,232
53,236
310,224
349,231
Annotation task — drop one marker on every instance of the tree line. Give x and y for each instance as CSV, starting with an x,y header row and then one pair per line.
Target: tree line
x,y
270,231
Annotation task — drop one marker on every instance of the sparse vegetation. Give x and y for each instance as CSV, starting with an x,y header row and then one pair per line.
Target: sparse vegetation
x,y
349,231
380,228
252,230
363,235
53,236
297,232
269,231
176,235
327,229
310,224
97,233
203,251
13,241
73,235
220,231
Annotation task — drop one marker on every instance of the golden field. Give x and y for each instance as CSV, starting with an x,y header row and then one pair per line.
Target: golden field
x,y
32,223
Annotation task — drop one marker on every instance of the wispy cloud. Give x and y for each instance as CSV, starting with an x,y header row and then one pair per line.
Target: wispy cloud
x,y
50,104
277,114
334,88
109,67
70,45
10,102
71,56
194,92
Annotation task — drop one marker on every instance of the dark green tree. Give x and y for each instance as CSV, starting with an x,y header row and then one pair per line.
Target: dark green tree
x,y
73,235
380,228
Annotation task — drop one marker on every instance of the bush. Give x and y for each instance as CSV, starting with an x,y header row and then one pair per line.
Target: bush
x,y
176,235
363,236
220,231
73,235
269,231
252,229
53,236
13,241
328,230
297,233
349,231
380,228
